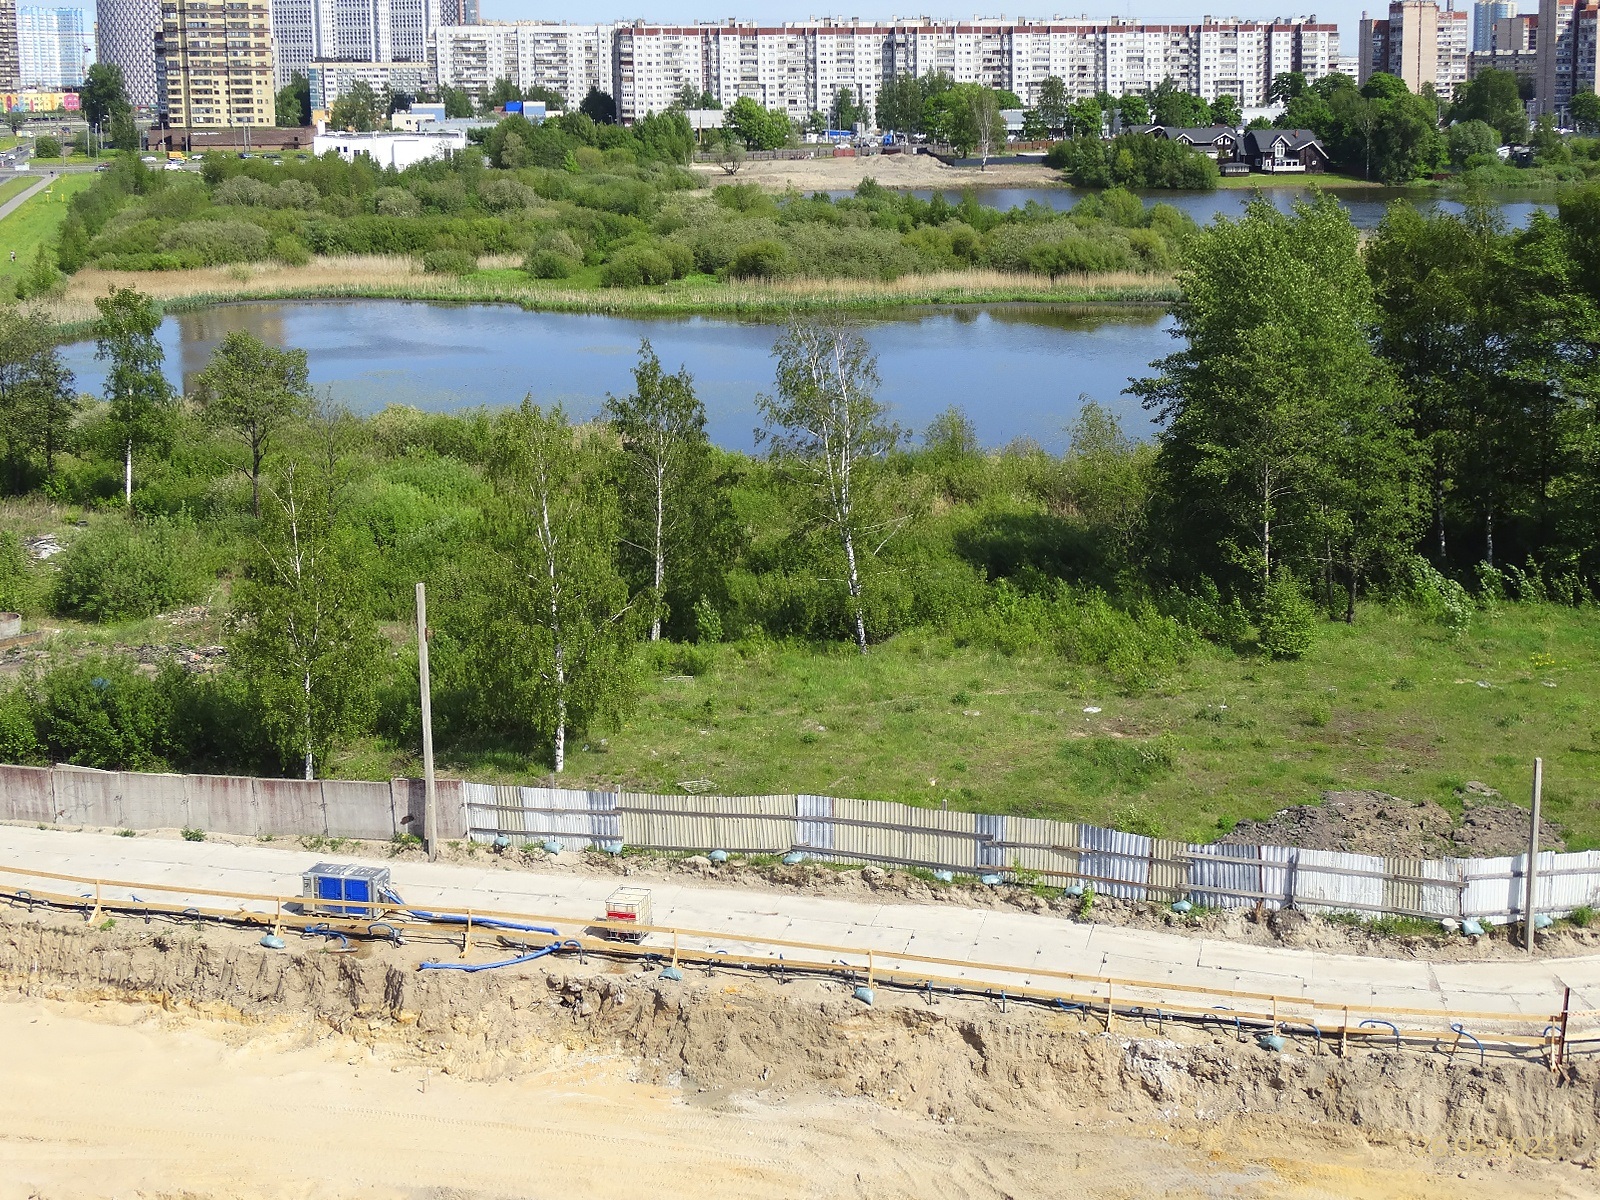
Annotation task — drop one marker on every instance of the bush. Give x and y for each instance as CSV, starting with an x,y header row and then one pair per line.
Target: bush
x,y
102,713
547,264
764,259
47,147
395,202
646,263
1438,598
122,570
217,242
449,262
1288,621
290,250
19,741
14,582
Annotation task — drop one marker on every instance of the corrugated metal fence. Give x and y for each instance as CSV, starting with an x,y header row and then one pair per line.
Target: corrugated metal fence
x,y
1126,865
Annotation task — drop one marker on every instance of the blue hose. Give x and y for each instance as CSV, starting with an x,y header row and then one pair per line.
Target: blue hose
x,y
423,914
569,944
1372,1024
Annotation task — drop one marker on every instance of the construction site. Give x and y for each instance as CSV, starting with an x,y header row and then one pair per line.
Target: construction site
x,y
256,1017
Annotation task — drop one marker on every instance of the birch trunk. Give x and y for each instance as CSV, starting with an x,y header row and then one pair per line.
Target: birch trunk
x,y
127,474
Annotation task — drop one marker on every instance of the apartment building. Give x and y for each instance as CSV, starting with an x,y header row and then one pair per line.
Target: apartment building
x,y
330,80
1420,43
799,67
1486,14
214,63
125,34
369,31
569,59
53,47
10,49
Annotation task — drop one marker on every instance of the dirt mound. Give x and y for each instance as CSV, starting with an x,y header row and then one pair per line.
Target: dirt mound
x,y
731,1033
1368,822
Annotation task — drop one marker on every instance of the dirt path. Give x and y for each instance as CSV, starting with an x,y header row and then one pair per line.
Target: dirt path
x,y
121,1100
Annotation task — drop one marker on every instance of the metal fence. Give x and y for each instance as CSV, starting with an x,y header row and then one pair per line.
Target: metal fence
x,y
1125,865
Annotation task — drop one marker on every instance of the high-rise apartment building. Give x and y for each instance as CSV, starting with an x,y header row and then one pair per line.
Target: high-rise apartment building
x,y
215,63
10,56
800,67
54,49
355,31
1566,54
1420,43
1484,15
126,37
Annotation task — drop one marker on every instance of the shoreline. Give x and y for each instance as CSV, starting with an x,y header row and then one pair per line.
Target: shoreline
x,y
400,279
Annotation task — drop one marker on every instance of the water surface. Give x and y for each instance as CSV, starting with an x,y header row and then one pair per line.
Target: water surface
x,y
1018,371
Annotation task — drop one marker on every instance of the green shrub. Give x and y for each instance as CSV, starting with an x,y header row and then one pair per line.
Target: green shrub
x,y
646,263
1439,598
547,264
290,250
764,259
218,242
395,202
1288,622
15,584
46,147
19,741
102,713
449,262
123,569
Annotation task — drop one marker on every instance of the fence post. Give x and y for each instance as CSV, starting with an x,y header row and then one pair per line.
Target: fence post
x,y
1531,875
1561,1035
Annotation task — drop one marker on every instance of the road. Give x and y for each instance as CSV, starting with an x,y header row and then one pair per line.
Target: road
x,y
1026,942
22,197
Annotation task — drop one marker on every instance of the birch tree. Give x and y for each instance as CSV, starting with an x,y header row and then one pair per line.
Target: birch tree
x,y
303,634
825,424
140,398
557,644
666,470
253,389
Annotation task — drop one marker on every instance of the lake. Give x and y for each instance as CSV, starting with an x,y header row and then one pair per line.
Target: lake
x,y
1365,205
1018,371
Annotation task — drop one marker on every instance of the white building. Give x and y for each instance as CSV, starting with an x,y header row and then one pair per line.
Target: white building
x,y
126,36
397,150
330,80
569,59
55,47
352,31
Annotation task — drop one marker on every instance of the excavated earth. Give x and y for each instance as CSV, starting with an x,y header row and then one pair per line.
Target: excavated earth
x,y
731,1032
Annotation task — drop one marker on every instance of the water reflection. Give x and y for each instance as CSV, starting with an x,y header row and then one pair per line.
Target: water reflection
x,y
1018,370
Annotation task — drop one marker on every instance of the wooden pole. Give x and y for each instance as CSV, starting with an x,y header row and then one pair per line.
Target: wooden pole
x,y
1532,873
430,798
1561,1044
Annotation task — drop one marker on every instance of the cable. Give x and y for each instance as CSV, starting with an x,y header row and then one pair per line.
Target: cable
x,y
569,944
423,914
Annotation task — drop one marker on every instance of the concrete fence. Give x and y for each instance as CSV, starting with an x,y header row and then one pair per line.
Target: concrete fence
x,y
1125,865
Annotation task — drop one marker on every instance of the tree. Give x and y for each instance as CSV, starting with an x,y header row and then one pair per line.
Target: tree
x,y
1585,111
900,102
729,151
502,91
1493,98
1286,86
824,424
457,103
253,389
756,127
303,635
845,112
552,100
104,95
1109,477
1133,110
37,399
1085,118
1053,103
293,102
46,147
1171,105
357,109
988,125
689,97
1471,139
1225,111
666,475
552,637
1276,310
140,398
599,107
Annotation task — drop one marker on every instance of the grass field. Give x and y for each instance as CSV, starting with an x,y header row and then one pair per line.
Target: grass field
x,y
1328,179
36,222
1388,703
14,185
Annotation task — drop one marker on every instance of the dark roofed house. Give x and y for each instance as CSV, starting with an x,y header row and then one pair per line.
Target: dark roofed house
x,y
1220,142
1284,151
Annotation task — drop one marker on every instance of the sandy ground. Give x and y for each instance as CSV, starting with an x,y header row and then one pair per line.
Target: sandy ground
x,y
123,1100
895,170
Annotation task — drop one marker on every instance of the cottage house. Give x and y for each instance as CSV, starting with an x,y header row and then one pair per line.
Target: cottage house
x,y
1284,151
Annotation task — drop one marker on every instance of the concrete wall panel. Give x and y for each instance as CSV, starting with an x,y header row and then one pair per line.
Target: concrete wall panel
x,y
290,806
358,809
152,801
88,797
223,804
26,794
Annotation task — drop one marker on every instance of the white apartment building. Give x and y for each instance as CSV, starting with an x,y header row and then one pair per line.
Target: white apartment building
x,y
350,31
55,47
799,67
1420,43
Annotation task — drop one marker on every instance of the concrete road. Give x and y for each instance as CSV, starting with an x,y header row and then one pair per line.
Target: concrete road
x,y
1026,943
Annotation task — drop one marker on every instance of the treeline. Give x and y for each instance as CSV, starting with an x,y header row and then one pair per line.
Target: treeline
x,y
621,216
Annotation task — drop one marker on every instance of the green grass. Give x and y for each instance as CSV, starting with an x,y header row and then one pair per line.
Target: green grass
x,y
1328,179
1389,703
15,185
36,222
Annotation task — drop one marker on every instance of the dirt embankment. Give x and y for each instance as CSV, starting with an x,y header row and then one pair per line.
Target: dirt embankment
x,y
733,1033
892,171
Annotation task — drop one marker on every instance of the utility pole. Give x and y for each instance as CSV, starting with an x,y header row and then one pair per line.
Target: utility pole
x,y
430,798
1532,874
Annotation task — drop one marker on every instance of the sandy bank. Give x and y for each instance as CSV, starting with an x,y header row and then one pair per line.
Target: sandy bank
x,y
895,170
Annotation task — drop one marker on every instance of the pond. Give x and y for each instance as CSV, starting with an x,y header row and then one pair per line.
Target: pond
x,y
1018,371
1365,205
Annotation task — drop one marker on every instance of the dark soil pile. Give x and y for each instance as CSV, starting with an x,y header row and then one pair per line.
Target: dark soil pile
x,y
1378,823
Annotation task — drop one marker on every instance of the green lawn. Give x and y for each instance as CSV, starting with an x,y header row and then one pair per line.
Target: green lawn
x,y
1389,703
36,222
1328,179
9,187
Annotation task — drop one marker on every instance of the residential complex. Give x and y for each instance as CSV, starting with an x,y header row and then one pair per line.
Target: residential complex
x,y
1485,13
126,37
1565,62
355,31
214,63
10,59
1420,42
799,67
54,47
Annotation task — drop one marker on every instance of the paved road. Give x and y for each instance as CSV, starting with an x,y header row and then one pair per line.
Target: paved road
x,y
22,197
1024,941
